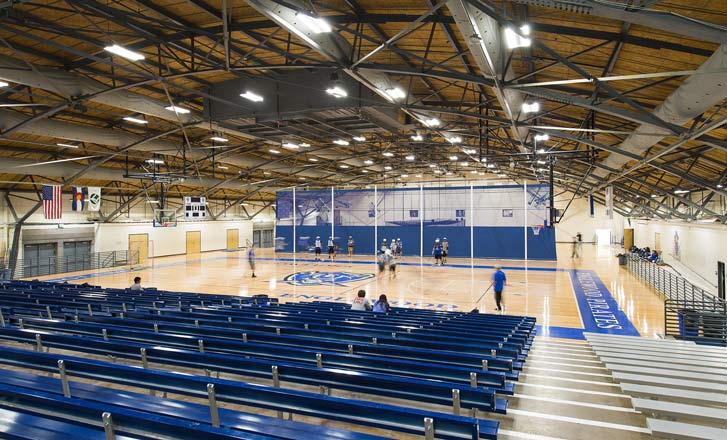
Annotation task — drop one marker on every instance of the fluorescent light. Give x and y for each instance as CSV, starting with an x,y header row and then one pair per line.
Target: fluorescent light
x,y
388,154
219,139
359,138
417,138
437,172
431,165
274,151
449,173
313,159
303,144
176,109
222,167
340,142
540,151
395,93
473,171
541,137
432,122
67,145
404,176
152,201
250,96
365,171
344,166
135,120
3,84
418,175
681,191
514,40
453,158
337,92
455,139
290,145
653,196
315,24
470,151
410,157
124,52
464,164
532,107
490,165
155,161
387,168
719,185
267,173
541,162
369,162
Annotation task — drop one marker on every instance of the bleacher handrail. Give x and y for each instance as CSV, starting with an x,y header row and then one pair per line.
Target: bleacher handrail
x,y
71,263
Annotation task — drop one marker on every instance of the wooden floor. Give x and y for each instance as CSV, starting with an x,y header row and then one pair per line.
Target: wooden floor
x,y
540,289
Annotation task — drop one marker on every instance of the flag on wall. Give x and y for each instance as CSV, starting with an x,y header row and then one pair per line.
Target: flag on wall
x,y
592,206
609,202
80,193
94,198
52,203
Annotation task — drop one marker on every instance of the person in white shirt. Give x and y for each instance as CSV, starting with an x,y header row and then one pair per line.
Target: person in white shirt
x,y
318,247
360,302
331,248
137,284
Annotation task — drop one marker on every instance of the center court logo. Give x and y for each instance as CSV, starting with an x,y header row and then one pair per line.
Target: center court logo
x,y
315,278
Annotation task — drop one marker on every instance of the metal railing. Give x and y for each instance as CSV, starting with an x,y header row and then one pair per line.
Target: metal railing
x,y
671,285
33,267
701,322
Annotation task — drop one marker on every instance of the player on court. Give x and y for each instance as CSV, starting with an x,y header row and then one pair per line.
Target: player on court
x,y
331,248
399,247
391,262
393,247
384,246
499,280
350,246
437,252
251,259
318,247
445,250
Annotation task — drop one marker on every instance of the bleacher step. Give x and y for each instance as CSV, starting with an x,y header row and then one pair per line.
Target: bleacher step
x,y
668,373
684,431
681,367
673,394
681,384
704,414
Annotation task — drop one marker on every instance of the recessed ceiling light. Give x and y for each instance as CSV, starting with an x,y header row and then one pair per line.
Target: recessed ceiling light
x,y
410,157
274,151
653,196
316,25
340,142
387,168
152,201
532,107
388,154
369,162
337,92
251,96
344,166
67,145
395,93
124,52
431,122
267,173
219,139
135,120
541,137
177,109
417,138
453,158
359,138
313,159
155,161
291,145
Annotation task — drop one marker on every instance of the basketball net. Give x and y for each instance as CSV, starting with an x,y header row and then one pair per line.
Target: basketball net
x,y
536,229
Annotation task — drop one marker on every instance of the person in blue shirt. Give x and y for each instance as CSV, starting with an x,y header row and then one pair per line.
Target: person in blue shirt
x,y
499,280
251,260
382,305
437,252
654,257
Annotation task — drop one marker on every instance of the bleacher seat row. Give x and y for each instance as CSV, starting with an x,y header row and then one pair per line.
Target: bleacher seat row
x,y
448,360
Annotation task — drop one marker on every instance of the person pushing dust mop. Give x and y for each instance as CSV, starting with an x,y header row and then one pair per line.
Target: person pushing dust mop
x,y
499,281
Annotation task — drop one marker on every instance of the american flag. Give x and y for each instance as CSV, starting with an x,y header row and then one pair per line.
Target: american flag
x,y
52,203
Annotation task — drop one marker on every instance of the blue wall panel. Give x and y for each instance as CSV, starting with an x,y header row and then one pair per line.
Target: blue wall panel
x,y
457,236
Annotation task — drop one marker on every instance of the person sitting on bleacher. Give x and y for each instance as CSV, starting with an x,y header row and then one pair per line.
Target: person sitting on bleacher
x,y
382,305
360,302
137,284
654,257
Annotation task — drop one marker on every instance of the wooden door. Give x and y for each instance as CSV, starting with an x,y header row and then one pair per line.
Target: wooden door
x,y
233,239
628,237
194,242
139,243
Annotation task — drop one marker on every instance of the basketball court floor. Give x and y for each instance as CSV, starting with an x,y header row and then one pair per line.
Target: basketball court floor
x,y
591,292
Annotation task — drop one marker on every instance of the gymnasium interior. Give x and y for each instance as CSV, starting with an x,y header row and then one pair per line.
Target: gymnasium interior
x,y
357,220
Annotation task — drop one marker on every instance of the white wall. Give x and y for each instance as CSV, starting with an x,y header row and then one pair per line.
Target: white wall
x,y
578,219
700,246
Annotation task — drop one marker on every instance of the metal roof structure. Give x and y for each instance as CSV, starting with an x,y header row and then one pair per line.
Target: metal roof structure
x,y
630,93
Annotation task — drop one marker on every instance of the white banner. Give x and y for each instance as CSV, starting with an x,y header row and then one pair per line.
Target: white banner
x,y
94,198
609,202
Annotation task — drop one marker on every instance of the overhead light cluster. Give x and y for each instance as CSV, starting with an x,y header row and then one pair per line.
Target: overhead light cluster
x,y
291,145
340,142
453,158
541,137
455,140
431,122
359,139
368,162
155,161
395,93
337,92
470,151
515,40
387,154
3,84
410,157
532,107
681,191
417,138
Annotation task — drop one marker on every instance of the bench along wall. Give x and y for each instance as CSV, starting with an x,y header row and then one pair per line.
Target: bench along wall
x,y
478,221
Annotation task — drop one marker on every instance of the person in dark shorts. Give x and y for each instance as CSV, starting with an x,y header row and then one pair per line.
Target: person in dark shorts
x,y
445,250
251,259
331,248
437,252
499,280
318,247
381,261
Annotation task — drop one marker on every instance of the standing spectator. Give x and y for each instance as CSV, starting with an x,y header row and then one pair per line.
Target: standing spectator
x,y
445,250
437,252
384,246
499,280
350,246
360,302
382,305
251,259
137,284
399,247
318,247
381,261
331,248
574,251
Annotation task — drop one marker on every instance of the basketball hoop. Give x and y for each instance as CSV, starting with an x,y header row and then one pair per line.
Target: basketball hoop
x,y
536,229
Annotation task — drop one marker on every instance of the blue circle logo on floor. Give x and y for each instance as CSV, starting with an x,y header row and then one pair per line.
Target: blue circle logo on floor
x,y
315,278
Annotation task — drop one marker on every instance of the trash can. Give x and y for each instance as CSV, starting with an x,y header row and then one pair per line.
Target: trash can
x,y
622,259
688,323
